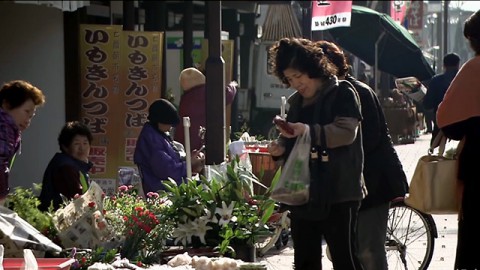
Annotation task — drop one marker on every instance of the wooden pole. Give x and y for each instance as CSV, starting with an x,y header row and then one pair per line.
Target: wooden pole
x,y
215,100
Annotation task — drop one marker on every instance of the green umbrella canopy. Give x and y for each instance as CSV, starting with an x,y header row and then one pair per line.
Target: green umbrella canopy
x,y
398,53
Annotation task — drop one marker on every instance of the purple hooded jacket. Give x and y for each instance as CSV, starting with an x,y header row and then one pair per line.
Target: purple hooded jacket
x,y
157,159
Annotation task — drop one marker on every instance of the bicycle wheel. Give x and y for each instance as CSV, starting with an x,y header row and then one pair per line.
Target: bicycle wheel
x,y
410,238
277,230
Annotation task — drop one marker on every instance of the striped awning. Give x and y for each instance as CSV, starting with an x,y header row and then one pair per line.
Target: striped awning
x,y
63,5
280,22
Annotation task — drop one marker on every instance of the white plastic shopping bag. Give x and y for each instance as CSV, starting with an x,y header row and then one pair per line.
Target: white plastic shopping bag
x,y
30,262
293,186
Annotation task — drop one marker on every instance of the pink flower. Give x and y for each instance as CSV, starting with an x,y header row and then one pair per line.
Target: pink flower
x,y
152,194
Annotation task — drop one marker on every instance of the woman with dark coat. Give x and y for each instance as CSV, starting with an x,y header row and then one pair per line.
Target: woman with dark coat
x,y
157,156
458,117
331,110
382,170
67,172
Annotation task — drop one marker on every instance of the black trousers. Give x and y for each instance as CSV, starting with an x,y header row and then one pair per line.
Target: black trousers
x,y
338,229
468,237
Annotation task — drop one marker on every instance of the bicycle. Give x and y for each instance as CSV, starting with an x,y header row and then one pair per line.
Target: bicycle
x,y
410,238
279,224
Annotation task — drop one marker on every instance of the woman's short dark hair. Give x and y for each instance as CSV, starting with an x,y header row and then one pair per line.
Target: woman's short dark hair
x,y
16,92
471,31
335,55
302,55
70,130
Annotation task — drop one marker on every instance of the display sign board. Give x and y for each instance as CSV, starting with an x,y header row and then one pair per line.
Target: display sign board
x,y
120,77
331,14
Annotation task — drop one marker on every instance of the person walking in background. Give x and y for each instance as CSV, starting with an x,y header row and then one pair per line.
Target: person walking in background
x,y
337,187
19,101
193,102
458,116
428,117
438,86
67,172
382,170
424,117
157,155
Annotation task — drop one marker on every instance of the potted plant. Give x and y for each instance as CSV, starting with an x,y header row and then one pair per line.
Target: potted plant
x,y
221,212
136,222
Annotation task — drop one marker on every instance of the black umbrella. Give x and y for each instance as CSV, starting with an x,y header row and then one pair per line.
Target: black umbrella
x,y
397,52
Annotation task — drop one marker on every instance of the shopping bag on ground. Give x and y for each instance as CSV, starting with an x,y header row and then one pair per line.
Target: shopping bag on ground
x,y
293,186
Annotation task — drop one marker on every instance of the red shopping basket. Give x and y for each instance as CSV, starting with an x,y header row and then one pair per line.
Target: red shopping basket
x,y
261,160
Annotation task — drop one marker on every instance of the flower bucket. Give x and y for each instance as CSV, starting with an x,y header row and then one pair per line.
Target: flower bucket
x,y
245,252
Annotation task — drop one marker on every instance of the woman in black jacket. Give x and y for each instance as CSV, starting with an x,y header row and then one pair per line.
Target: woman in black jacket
x,y
331,110
382,170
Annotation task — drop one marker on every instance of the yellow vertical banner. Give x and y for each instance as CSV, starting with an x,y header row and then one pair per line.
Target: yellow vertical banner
x,y
120,77
141,70
99,91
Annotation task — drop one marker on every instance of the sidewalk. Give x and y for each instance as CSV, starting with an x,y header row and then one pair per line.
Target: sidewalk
x,y
445,245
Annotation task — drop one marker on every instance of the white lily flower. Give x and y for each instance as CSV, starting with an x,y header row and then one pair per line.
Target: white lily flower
x,y
209,216
225,213
183,233
200,228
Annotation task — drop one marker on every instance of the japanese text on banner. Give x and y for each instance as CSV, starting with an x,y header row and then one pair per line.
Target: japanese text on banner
x,y
120,77
331,14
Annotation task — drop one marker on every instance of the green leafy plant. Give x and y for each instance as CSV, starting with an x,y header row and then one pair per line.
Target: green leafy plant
x,y
245,128
217,212
25,203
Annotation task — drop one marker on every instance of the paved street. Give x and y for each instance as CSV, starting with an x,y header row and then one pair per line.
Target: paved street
x,y
445,244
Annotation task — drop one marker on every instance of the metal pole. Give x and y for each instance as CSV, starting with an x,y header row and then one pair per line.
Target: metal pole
x,y
445,27
376,62
433,45
186,125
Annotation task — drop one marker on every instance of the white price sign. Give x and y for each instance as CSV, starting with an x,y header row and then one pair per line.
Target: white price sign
x,y
331,14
